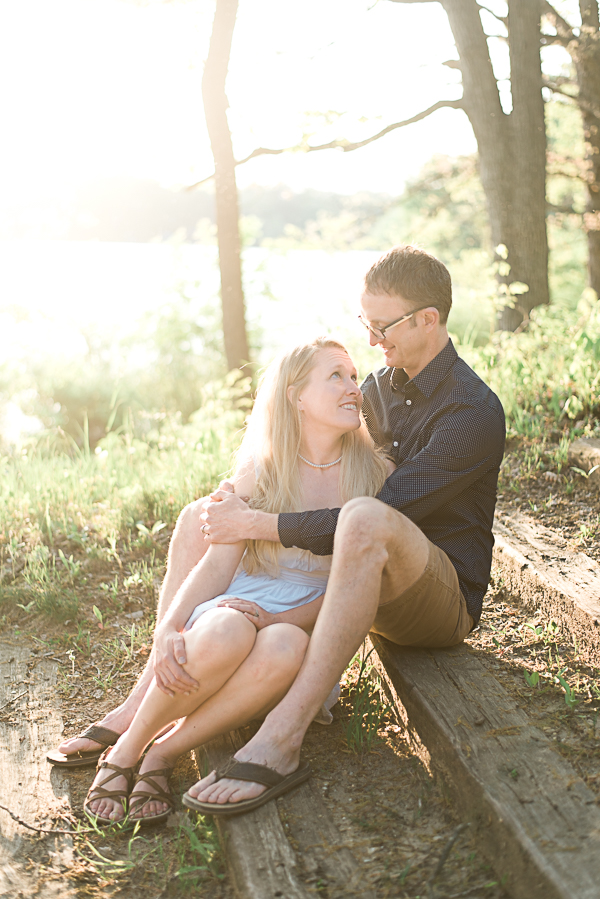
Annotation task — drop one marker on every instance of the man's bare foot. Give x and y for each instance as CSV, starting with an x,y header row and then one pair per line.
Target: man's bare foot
x,y
111,808
151,808
276,755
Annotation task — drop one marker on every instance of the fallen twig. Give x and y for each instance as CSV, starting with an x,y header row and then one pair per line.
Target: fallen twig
x,y
443,858
14,699
44,829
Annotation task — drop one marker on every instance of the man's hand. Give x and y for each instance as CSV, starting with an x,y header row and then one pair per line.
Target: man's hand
x,y
169,656
227,518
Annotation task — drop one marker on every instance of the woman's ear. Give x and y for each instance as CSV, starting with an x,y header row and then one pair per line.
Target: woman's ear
x,y
291,395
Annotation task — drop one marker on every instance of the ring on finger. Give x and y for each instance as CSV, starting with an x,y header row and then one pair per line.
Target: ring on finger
x,y
203,527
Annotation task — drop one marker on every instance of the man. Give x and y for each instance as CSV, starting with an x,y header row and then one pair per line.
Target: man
x,y
413,564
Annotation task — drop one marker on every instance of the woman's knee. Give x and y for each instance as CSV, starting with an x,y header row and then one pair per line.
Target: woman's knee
x,y
221,630
280,647
189,523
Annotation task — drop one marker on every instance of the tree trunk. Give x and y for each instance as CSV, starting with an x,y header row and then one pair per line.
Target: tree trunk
x,y
587,63
511,148
227,208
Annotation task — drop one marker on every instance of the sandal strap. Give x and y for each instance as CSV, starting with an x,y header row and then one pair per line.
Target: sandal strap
x,y
250,771
127,773
99,734
99,791
139,798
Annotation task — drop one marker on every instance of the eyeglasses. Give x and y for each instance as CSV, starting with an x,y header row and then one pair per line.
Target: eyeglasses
x,y
379,333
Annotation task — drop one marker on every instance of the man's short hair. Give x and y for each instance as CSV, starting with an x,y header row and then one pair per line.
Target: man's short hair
x,y
413,275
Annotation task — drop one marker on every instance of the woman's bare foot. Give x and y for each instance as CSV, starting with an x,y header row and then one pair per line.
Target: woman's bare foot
x,y
150,808
109,778
118,720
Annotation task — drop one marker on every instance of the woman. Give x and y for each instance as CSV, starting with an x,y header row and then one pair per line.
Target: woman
x,y
247,609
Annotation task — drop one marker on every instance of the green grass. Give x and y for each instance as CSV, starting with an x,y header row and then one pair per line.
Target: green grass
x,y
368,708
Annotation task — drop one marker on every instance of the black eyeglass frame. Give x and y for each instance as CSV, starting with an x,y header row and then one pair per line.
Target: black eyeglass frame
x,y
379,333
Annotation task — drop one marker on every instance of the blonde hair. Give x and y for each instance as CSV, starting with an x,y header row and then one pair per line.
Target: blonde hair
x,y
272,439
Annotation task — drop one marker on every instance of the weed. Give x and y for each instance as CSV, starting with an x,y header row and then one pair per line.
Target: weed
x,y
368,708
532,678
570,694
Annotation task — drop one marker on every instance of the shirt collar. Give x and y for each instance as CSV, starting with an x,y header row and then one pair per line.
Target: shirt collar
x,y
428,379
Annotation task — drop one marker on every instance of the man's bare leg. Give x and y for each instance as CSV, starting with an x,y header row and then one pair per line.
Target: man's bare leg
x,y
378,554
186,549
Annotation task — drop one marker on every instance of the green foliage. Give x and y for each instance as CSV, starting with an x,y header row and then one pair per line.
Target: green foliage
x,y
549,374
128,488
163,366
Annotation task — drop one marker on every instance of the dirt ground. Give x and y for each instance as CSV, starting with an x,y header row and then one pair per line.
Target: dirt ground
x,y
554,495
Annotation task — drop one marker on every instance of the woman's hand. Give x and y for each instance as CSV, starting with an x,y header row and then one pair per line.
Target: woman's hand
x,y
257,616
169,656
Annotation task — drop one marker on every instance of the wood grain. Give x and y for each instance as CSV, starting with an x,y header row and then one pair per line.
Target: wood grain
x,y
533,816
29,728
289,860
540,571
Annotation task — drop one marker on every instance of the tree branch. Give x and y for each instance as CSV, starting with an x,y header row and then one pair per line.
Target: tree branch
x,y
563,29
583,104
342,144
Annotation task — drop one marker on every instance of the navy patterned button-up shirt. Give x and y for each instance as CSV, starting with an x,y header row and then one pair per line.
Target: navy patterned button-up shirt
x,y
445,431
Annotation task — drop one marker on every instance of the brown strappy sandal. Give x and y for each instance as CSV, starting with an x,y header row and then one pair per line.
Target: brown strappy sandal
x,y
139,799
81,759
100,792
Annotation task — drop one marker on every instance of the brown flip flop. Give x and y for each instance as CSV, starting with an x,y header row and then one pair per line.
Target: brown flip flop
x,y
100,791
139,799
102,735
277,785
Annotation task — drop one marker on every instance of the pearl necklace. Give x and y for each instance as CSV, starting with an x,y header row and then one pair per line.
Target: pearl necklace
x,y
316,465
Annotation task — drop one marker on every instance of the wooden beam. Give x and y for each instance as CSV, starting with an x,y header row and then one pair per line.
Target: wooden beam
x,y
533,816
540,571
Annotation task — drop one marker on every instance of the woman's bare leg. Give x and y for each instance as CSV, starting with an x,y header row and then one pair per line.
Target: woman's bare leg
x,y
186,549
216,646
256,687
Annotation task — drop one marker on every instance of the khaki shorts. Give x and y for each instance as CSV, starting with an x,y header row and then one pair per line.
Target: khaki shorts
x,y
432,612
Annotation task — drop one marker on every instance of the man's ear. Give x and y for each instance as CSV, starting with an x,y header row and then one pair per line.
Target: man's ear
x,y
431,318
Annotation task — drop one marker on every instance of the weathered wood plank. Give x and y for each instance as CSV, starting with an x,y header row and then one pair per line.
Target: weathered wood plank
x,y
326,861
585,454
541,572
267,860
261,861
29,787
534,817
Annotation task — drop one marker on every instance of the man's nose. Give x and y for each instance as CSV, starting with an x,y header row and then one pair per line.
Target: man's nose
x,y
373,340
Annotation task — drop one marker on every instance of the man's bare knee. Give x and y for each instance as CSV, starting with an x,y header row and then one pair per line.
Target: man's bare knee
x,y
368,522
